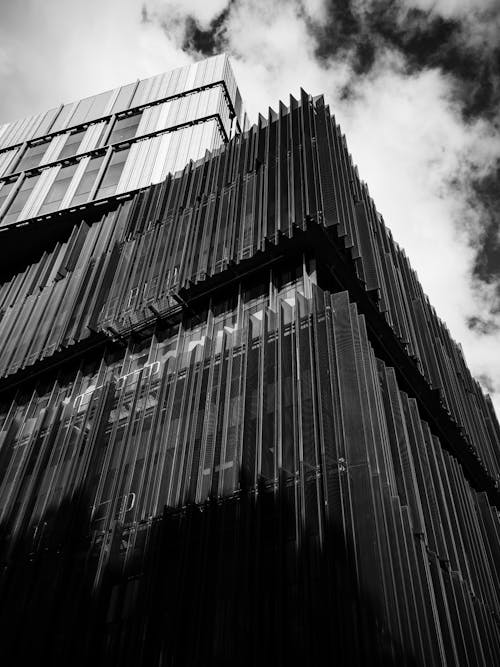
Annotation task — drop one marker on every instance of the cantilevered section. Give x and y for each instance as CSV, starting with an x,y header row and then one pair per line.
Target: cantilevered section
x,y
115,142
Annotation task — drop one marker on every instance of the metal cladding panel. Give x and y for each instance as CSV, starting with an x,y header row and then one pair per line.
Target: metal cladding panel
x,y
91,137
3,131
192,107
75,181
207,411
151,160
174,83
53,149
91,108
234,225
6,160
39,192
20,130
193,413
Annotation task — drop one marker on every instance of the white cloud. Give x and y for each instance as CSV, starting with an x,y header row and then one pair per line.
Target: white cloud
x,y
59,51
276,57
417,156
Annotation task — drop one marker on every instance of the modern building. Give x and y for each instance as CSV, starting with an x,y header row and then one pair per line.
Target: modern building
x,y
233,429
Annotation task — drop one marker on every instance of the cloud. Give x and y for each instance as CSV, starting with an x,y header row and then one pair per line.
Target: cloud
x,y
482,326
486,191
488,384
205,11
60,51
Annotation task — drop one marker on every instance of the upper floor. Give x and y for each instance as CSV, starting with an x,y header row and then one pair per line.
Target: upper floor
x,y
117,141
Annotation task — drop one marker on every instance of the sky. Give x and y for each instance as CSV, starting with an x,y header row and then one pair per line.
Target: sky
x,y
414,84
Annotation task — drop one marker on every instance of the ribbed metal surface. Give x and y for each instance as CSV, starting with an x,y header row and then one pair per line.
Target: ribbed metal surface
x,y
216,213
218,461
195,412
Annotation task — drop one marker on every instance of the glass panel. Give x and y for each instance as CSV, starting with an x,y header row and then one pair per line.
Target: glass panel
x,y
98,140
88,180
8,160
20,200
58,189
140,92
98,106
124,128
113,173
32,156
124,96
70,148
5,190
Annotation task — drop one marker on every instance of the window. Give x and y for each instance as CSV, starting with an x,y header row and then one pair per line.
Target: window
x,y
113,173
124,128
70,148
5,190
88,180
58,189
32,156
20,200
8,160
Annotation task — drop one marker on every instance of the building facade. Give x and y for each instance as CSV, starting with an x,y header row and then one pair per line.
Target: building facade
x,y
233,429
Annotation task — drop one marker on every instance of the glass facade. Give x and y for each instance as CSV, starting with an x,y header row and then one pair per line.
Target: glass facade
x,y
32,156
125,127
113,173
233,430
71,145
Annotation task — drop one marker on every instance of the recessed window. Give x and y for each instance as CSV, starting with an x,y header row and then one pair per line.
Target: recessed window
x,y
72,144
20,200
124,128
5,190
32,156
58,189
88,180
113,173
80,113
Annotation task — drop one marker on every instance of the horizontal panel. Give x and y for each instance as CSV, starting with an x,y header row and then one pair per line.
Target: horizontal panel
x,y
147,91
